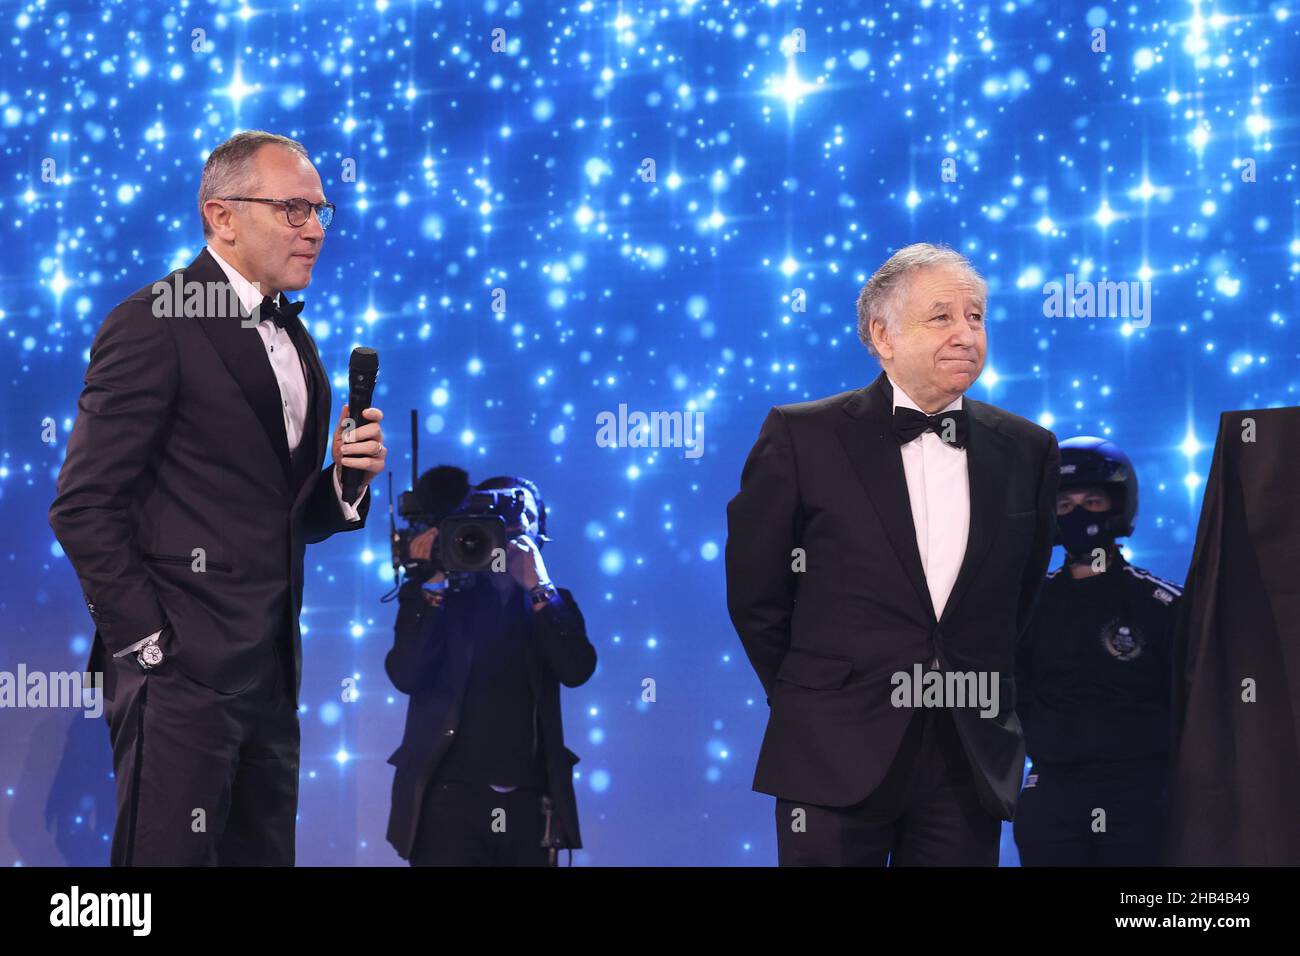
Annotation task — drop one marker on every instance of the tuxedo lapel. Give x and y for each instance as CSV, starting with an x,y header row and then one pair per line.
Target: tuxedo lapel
x,y
244,355
318,406
868,439
876,458
320,403
988,456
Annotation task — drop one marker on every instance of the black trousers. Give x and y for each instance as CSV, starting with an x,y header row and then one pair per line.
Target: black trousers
x,y
203,778
470,824
1099,814
925,812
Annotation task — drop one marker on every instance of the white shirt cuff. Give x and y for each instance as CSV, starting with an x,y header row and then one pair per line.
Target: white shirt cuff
x,y
349,511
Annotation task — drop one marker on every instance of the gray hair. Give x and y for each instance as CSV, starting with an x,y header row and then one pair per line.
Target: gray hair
x,y
879,298
229,168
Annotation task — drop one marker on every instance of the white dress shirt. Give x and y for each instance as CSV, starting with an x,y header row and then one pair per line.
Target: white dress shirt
x,y
938,487
292,379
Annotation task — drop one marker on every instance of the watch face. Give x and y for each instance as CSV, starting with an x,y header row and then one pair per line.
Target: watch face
x,y
152,654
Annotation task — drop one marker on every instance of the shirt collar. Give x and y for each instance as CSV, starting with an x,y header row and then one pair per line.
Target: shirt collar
x,y
902,398
249,296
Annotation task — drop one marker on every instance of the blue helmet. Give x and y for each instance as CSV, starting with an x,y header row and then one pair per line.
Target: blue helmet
x,y
1097,462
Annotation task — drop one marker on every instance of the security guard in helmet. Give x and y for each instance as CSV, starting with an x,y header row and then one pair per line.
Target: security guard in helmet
x,y
1093,680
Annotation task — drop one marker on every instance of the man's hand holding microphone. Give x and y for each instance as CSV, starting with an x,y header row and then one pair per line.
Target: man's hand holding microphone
x,y
360,448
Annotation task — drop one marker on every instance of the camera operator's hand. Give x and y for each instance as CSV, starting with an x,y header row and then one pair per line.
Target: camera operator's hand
x,y
422,544
524,562
422,550
364,449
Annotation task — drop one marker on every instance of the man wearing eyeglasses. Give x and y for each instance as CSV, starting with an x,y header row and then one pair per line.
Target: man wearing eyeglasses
x,y
191,486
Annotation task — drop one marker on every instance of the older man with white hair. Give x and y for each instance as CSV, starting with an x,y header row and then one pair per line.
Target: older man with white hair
x,y
883,554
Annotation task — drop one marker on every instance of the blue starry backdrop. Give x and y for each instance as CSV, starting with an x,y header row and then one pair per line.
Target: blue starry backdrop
x,y
793,146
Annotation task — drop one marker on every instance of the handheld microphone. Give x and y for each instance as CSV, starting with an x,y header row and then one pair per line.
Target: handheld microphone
x,y
363,366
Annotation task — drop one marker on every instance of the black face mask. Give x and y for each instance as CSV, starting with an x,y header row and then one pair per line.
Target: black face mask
x,y
1082,531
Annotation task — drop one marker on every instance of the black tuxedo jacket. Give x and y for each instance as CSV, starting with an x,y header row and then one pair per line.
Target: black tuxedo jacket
x,y
179,444
826,477
433,651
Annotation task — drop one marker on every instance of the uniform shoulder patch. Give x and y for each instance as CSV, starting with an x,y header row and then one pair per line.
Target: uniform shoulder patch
x,y
1162,590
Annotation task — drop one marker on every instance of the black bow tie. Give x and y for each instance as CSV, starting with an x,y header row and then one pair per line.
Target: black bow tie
x,y
271,309
952,426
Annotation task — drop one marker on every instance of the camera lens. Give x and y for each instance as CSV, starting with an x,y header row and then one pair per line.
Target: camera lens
x,y
470,542
472,546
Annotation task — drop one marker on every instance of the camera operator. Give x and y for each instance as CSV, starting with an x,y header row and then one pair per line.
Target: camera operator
x,y
483,776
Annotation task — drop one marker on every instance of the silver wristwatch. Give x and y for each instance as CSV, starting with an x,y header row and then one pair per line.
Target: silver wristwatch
x,y
150,654
543,591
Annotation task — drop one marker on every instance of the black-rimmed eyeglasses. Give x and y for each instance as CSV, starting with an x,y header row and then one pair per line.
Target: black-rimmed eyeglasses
x,y
297,211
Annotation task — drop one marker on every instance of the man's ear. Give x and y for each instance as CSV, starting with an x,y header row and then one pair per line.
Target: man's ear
x,y
220,218
880,339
